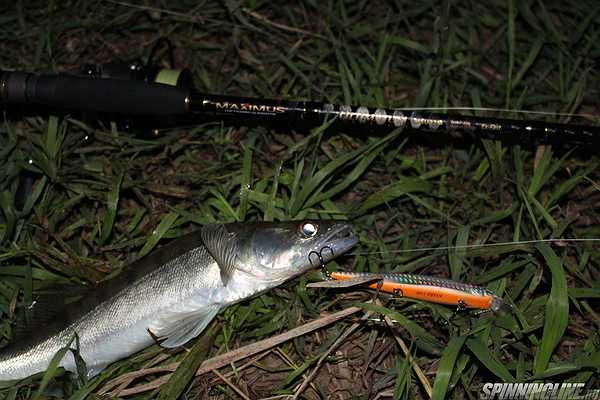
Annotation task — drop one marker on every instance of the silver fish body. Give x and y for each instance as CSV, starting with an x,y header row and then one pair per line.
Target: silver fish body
x,y
174,293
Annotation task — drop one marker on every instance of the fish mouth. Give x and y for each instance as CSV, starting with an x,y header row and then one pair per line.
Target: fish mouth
x,y
339,239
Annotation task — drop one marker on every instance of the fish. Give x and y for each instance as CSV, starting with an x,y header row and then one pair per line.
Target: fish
x,y
171,295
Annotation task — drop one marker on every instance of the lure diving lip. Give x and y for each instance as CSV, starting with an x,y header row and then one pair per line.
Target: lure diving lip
x,y
428,288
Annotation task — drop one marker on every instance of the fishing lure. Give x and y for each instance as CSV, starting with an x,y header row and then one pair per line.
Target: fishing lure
x,y
418,287
427,288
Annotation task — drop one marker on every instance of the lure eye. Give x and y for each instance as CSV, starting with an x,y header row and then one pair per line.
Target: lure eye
x,y
308,229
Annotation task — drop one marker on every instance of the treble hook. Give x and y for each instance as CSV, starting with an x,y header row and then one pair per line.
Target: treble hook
x,y
321,263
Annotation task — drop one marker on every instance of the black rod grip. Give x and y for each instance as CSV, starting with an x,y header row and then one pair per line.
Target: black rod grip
x,y
94,94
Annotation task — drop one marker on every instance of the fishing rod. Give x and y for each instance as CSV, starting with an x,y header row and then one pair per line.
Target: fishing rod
x,y
144,98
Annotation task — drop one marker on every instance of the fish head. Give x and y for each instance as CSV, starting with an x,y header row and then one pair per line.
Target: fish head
x,y
281,250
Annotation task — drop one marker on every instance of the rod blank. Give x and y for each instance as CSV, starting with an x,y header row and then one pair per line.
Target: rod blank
x,y
385,119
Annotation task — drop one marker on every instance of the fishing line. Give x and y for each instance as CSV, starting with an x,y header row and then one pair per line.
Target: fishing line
x,y
476,246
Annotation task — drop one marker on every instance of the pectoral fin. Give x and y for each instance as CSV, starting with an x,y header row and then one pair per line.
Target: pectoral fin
x,y
222,246
186,326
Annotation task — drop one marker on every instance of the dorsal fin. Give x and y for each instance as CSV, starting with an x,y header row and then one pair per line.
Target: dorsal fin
x,y
222,246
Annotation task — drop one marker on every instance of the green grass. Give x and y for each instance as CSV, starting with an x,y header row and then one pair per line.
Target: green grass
x,y
100,203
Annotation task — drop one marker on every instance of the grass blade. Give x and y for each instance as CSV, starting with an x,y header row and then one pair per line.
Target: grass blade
x,y
481,351
111,209
183,375
52,369
246,178
457,255
391,192
556,315
423,339
446,366
162,228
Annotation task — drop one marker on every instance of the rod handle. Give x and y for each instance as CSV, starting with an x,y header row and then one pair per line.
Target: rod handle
x,y
93,94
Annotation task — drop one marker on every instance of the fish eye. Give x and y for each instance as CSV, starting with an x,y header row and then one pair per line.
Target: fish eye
x,y
308,229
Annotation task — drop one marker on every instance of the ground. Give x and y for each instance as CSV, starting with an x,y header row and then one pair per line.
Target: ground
x,y
103,197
